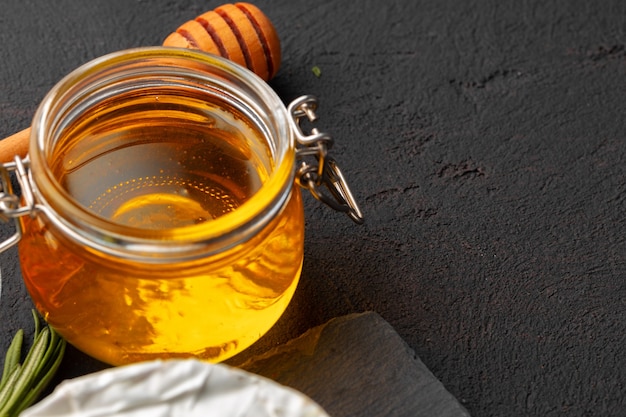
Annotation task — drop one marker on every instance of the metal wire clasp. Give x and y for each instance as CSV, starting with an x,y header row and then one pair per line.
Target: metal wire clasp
x,y
316,169
11,206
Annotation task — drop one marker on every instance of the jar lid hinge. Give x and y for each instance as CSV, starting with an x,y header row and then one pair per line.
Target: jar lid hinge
x,y
11,205
318,172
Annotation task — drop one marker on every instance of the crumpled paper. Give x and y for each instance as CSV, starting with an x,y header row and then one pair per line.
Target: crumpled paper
x,y
186,387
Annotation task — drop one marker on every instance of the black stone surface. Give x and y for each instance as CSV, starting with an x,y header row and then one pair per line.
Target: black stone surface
x,y
485,142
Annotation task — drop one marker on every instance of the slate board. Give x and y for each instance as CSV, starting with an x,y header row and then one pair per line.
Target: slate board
x,y
357,365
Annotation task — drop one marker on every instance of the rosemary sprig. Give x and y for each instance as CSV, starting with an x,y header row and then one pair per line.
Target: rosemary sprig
x,y
22,383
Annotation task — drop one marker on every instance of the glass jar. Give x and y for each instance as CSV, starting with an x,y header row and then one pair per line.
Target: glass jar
x,y
158,215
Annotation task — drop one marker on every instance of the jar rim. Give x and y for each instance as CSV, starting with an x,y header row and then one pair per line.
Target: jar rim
x,y
192,241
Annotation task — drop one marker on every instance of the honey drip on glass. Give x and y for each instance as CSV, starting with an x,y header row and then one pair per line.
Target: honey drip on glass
x,y
163,163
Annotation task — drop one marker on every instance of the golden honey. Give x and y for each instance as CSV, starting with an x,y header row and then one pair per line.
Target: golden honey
x,y
170,225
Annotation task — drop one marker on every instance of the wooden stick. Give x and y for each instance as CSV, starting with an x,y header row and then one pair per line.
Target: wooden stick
x,y
15,145
239,32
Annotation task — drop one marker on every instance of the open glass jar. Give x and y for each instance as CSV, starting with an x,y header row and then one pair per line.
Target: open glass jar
x,y
159,216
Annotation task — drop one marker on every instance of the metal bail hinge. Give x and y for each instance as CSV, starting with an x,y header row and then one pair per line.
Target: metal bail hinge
x,y
316,168
11,206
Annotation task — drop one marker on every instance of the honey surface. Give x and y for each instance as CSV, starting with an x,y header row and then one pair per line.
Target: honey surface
x,y
164,162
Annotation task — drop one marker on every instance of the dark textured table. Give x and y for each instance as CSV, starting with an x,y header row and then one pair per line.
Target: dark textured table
x,y
485,141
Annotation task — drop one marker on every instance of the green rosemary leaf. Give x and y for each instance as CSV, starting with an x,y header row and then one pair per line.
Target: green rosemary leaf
x,y
24,383
44,363
28,374
5,382
37,322
45,379
316,71
12,357
7,390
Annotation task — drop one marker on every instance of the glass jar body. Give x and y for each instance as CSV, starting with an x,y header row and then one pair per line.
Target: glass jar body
x,y
122,311
167,223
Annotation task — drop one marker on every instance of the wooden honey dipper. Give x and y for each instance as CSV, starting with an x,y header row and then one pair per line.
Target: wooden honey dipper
x,y
239,32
